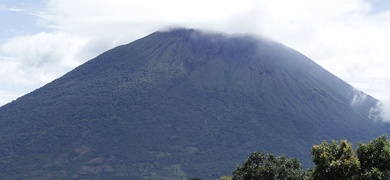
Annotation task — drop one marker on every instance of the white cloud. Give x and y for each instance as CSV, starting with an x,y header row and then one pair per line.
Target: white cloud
x,y
5,8
39,58
346,37
7,96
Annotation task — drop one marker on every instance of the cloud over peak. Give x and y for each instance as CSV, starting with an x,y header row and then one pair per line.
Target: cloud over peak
x,y
349,37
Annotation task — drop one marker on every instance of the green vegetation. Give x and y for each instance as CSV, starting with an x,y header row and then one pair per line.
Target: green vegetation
x,y
269,167
177,105
374,158
335,161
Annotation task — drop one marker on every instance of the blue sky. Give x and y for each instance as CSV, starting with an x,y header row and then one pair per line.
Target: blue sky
x,y
43,39
17,18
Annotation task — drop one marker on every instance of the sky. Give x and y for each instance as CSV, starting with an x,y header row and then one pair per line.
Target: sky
x,y
41,40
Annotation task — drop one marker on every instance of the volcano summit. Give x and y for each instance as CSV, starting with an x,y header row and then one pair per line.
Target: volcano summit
x,y
179,104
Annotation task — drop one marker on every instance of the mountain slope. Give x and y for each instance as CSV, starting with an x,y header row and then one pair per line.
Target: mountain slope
x,y
176,105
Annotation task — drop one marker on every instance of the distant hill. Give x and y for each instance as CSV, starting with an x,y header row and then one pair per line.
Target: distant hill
x,y
176,105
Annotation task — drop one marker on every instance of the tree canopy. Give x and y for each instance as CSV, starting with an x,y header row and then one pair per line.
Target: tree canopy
x,y
269,167
375,158
332,161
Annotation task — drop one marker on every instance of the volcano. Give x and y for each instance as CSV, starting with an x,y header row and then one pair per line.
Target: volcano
x,y
180,104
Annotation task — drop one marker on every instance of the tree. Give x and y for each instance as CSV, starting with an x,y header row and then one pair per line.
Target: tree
x,y
335,161
375,158
269,167
226,178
